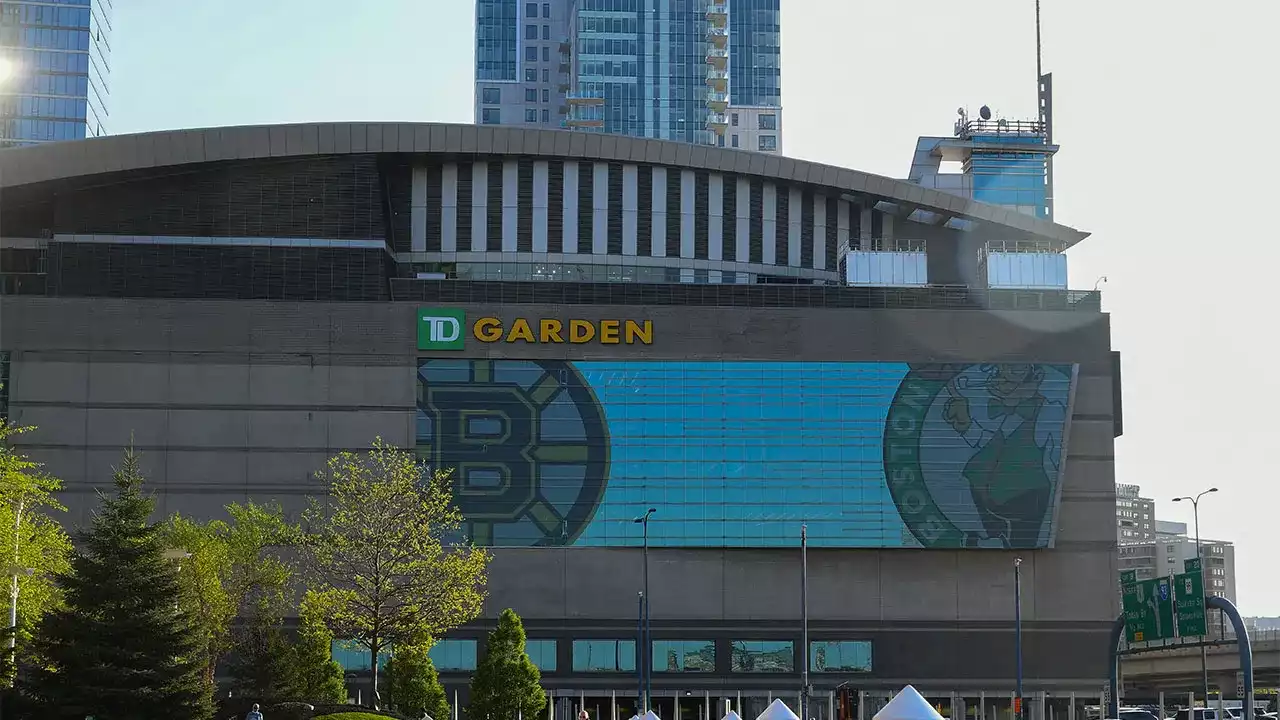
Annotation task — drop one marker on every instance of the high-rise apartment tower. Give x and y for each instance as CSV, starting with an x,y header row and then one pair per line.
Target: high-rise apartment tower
x,y
54,67
700,71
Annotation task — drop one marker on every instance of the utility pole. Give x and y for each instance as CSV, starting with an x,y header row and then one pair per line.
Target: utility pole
x,y
1017,635
1204,652
645,653
804,621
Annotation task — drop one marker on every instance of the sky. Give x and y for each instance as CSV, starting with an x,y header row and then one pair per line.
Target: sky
x,y
1155,104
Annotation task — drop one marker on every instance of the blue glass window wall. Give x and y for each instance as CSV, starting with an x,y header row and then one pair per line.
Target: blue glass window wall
x,y
763,656
446,655
604,655
737,454
684,656
840,656
542,653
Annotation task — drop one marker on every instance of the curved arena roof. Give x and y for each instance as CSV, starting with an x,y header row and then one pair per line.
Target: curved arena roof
x,y
119,153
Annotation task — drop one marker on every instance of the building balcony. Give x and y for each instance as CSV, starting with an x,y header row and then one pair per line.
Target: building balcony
x,y
717,102
718,37
718,80
582,99
718,59
583,122
717,123
718,14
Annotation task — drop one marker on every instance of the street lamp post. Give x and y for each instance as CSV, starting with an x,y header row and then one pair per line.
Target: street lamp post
x,y
646,649
1204,653
804,621
1017,635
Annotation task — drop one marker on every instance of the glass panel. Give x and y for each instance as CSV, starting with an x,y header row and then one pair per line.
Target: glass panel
x,y
924,455
604,655
764,656
354,657
684,656
542,653
454,655
840,656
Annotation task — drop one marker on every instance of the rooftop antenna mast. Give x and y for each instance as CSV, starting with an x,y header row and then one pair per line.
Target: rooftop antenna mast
x,y
1044,107
1039,66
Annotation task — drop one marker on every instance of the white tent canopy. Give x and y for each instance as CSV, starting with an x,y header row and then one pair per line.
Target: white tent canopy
x,y
908,705
650,715
778,710
732,716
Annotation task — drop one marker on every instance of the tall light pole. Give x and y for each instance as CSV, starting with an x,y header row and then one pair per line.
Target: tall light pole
x,y
1017,634
646,670
1204,652
804,621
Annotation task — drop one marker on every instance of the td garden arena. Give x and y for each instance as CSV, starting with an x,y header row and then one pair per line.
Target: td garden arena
x,y
587,327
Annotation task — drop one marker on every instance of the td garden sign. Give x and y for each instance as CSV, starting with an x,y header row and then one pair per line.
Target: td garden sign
x,y
449,328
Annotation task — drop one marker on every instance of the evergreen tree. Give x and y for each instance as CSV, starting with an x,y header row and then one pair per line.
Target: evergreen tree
x,y
413,685
121,648
507,685
261,665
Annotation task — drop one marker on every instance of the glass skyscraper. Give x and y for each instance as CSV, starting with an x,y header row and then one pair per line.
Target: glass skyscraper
x,y
630,67
54,67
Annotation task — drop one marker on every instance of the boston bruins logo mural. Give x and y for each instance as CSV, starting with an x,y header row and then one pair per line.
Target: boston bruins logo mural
x,y
527,441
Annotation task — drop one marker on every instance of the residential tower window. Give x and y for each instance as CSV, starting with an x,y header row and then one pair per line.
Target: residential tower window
x,y
546,10
531,115
531,53
530,95
604,655
490,116
769,122
531,10
684,656
763,656
768,142
844,656
491,96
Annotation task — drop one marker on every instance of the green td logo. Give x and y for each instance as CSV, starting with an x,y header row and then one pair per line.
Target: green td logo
x,y
440,328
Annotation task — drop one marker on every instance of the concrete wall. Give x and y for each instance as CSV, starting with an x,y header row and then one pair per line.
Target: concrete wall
x,y
230,400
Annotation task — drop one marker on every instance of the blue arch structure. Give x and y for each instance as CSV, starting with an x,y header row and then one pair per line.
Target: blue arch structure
x,y
1242,642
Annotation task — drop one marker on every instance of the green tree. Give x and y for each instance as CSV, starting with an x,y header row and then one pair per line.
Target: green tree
x,y
378,548
122,646
310,672
261,665
233,569
506,684
413,687
36,548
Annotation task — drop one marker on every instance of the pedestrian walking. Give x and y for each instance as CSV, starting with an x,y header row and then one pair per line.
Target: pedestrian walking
x,y
254,714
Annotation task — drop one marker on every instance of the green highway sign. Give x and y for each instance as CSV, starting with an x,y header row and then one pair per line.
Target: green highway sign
x,y
1189,593
1148,609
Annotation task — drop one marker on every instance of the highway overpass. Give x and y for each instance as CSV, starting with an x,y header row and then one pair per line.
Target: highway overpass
x,y
1145,672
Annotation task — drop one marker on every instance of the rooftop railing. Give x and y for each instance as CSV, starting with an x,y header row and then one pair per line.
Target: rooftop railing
x,y
746,296
966,129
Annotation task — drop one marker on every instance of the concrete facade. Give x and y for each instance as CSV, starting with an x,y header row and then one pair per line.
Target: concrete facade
x,y
233,400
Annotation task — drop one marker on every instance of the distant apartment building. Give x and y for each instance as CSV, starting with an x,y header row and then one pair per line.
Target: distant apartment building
x,y
1135,515
54,67
698,72
1171,548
